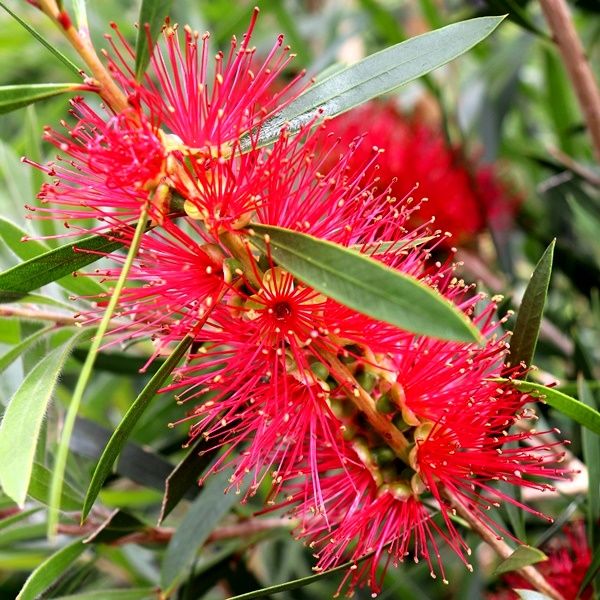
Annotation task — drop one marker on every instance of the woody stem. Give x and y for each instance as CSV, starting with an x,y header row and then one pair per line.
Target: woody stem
x,y
502,549
108,89
366,404
239,250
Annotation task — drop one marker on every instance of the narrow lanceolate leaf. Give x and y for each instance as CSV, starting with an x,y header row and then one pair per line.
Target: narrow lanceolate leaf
x,y
591,455
365,285
118,439
576,410
115,594
42,40
39,489
152,16
17,96
22,421
377,74
18,241
591,572
206,511
529,317
9,357
185,476
523,556
53,265
50,570
297,583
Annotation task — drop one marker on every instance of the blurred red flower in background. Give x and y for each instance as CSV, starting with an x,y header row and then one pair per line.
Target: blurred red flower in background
x,y
463,196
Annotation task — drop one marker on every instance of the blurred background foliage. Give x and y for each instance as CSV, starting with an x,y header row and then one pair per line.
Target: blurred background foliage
x,y
508,101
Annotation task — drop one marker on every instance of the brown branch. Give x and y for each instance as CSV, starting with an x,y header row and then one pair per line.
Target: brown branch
x,y
576,64
107,88
502,549
39,315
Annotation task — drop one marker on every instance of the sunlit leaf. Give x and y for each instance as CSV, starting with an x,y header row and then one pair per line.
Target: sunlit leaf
x,y
50,570
22,420
152,13
576,410
365,284
377,74
53,265
13,97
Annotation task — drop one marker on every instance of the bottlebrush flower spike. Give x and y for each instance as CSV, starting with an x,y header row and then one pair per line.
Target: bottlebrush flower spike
x,y
569,557
205,107
464,434
174,283
462,202
179,119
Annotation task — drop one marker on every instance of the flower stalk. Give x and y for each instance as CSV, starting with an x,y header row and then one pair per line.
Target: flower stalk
x,y
107,88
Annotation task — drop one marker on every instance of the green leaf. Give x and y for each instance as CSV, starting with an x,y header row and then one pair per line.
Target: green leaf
x,y
377,74
523,556
117,441
184,476
297,583
117,525
39,488
591,572
531,595
136,463
50,570
576,410
205,512
54,265
117,594
23,418
365,285
40,38
591,457
62,450
13,97
16,518
26,532
152,13
80,12
529,317
9,357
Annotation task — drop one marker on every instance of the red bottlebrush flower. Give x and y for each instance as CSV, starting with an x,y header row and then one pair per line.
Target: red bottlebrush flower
x,y
286,186
456,421
282,340
205,107
179,119
569,557
108,165
461,202
174,283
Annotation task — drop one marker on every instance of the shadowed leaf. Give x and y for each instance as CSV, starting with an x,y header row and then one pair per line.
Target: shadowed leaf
x,y
119,437
529,317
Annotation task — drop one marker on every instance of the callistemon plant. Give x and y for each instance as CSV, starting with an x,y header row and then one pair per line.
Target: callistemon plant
x,y
333,368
